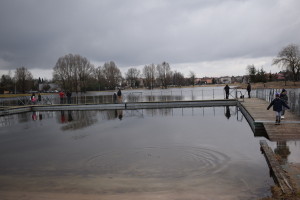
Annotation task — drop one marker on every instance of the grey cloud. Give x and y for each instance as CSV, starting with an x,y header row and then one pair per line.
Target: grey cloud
x,y
36,33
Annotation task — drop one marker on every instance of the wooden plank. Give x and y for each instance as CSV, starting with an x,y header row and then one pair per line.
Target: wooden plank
x,y
279,175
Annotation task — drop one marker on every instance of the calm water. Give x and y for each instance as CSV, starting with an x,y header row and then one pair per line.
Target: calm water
x,y
208,153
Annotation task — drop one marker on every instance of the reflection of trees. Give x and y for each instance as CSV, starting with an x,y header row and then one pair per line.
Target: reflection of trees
x,y
160,111
24,117
163,98
78,119
283,151
7,120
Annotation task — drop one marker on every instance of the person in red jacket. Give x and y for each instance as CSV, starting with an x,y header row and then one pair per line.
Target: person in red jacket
x,y
61,97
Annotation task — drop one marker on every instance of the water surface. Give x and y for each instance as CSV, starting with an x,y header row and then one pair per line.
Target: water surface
x,y
185,153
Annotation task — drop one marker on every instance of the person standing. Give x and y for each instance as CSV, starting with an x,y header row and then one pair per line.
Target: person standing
x,y
61,97
226,88
283,96
39,98
249,90
69,94
277,104
119,94
115,97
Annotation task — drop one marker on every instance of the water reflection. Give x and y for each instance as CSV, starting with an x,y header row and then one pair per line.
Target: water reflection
x,y
227,113
283,151
196,151
72,120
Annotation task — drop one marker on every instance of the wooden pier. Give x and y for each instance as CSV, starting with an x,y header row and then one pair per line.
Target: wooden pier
x,y
259,117
289,129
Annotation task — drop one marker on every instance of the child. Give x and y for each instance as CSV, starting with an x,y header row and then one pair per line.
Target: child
x,y
285,98
277,104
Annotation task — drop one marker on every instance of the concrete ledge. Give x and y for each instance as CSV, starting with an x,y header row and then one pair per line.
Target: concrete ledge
x,y
137,105
78,107
14,110
180,104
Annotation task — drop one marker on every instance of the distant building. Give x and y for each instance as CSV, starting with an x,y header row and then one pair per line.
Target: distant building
x,y
207,80
237,79
225,80
280,76
53,86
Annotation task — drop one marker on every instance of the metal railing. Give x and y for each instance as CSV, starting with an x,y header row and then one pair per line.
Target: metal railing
x,y
185,94
293,96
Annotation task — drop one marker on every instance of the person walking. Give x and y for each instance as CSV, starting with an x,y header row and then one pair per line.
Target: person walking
x,y
61,97
277,104
283,96
226,88
249,90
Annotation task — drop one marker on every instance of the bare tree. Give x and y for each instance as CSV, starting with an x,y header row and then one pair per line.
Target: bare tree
x,y
289,59
112,75
192,78
72,72
24,79
164,74
149,74
99,75
178,79
132,76
6,83
84,71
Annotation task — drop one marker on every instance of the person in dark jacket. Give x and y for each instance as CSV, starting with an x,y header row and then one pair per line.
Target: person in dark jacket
x,y
226,88
277,104
284,98
69,97
249,90
119,93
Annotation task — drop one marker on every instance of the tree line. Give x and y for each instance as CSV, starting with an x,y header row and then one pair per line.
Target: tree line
x,y
288,59
75,73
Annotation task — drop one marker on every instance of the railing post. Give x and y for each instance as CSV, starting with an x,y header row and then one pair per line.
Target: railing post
x,y
181,95
299,104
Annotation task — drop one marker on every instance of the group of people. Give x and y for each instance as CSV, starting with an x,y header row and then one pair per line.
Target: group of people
x,y
227,88
35,100
117,96
280,104
62,97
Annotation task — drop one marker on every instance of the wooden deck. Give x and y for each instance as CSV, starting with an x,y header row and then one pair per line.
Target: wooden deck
x,y
289,129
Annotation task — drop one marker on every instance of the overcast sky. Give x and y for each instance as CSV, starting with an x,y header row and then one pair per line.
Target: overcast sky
x,y
209,37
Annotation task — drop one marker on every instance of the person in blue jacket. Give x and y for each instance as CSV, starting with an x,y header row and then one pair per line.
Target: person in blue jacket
x,y
277,104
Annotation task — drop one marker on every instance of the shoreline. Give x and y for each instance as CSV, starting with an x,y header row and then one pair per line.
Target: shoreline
x,y
260,85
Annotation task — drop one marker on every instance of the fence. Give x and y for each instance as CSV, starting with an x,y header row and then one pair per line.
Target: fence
x,y
185,94
293,95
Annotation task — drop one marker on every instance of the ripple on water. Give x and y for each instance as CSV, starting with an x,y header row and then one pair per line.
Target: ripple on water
x,y
173,161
